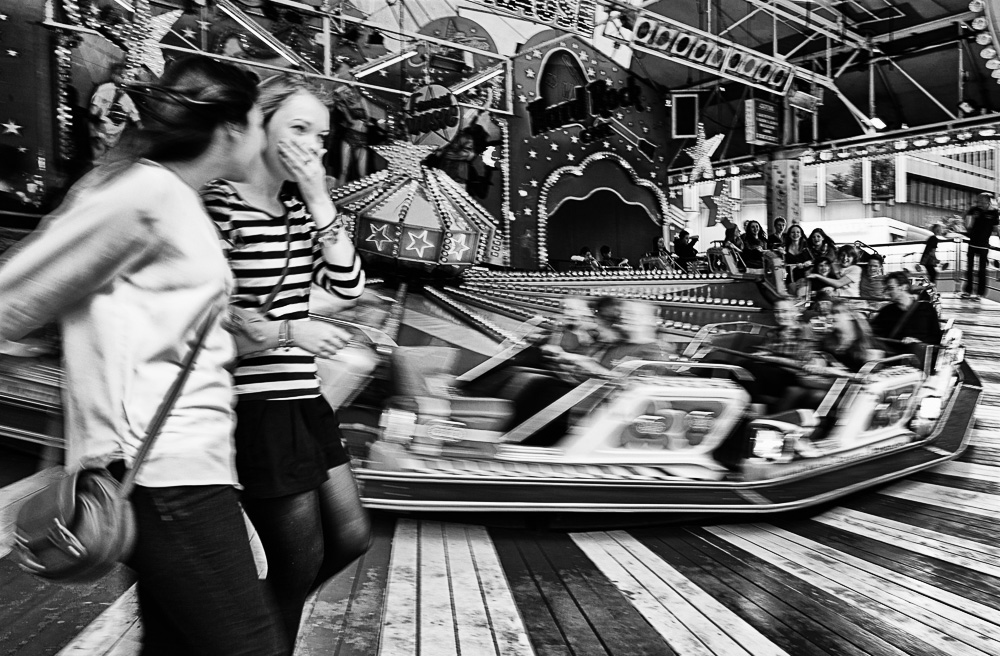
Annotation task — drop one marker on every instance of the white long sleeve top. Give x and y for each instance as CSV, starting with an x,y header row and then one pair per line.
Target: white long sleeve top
x,y
130,268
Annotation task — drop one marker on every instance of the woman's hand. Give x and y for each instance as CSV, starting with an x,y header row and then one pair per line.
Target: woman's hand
x,y
306,167
321,339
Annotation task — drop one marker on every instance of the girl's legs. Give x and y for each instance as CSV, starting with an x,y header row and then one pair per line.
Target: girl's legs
x,y
291,530
346,526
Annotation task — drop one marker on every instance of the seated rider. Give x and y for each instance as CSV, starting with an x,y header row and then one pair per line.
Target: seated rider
x,y
848,342
906,318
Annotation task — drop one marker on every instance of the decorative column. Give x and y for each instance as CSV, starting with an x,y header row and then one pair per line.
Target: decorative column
x,y
783,182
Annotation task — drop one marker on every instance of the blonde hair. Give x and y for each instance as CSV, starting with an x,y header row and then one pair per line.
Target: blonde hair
x,y
275,90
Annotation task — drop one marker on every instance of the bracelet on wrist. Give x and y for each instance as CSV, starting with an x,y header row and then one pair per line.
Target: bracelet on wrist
x,y
284,335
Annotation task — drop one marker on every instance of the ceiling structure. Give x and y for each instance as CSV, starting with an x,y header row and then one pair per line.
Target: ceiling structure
x,y
873,68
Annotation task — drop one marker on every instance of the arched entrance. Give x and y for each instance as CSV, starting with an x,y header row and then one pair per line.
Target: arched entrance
x,y
601,219
601,201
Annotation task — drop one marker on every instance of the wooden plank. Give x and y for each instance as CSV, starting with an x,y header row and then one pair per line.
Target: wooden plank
x,y
543,632
436,629
823,617
15,494
942,520
943,546
777,622
868,598
362,632
472,622
623,630
938,610
322,625
969,471
400,623
579,634
974,503
958,482
508,627
106,635
966,583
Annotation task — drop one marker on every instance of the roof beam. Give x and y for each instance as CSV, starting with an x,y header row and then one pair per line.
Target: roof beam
x,y
807,19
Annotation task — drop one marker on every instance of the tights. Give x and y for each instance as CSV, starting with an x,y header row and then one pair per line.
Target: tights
x,y
292,530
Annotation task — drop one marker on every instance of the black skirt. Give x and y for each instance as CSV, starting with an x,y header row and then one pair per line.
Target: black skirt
x,y
285,447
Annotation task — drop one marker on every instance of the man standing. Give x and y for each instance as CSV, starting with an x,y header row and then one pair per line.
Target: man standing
x,y
980,222
906,319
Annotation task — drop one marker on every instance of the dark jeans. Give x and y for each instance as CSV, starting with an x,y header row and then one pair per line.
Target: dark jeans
x,y
197,582
981,253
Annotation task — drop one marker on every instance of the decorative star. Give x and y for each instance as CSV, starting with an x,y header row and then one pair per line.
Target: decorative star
x,y
521,98
721,205
532,154
12,53
619,116
645,130
628,147
591,72
701,154
147,32
413,246
575,45
607,144
411,80
530,73
404,158
379,236
460,246
188,33
3,17
204,25
574,139
554,146
526,211
383,73
22,149
570,157
533,182
10,127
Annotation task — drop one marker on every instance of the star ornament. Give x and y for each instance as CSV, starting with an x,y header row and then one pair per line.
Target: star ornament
x,y
701,154
10,127
721,205
404,157
147,33
379,236
420,247
460,246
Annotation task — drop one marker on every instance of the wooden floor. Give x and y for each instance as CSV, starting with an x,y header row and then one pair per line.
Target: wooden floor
x,y
912,568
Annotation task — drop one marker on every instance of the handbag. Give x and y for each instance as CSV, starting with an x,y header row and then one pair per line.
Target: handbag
x,y
79,527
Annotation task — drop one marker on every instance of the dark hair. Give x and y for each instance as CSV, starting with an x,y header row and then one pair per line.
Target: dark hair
x,y
607,308
849,250
605,250
876,257
585,250
901,278
181,112
820,260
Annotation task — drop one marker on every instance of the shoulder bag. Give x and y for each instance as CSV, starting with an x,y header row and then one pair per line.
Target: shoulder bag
x,y
77,528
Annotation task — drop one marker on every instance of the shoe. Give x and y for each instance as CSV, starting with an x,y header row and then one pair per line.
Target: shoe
x,y
976,297
964,295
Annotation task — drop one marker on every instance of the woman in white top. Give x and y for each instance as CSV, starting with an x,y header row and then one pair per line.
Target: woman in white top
x,y
130,266
849,282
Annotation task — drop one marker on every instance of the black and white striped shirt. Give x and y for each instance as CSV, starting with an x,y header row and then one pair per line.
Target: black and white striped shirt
x,y
258,245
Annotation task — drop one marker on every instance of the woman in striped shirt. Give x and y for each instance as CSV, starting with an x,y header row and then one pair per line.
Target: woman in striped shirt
x,y
281,233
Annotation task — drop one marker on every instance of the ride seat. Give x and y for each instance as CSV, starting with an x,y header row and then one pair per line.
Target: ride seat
x,y
423,382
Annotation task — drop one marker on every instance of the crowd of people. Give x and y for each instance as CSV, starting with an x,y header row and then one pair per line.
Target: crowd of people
x,y
216,198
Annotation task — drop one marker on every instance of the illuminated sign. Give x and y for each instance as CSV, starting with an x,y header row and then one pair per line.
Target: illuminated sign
x,y
569,15
763,127
686,45
432,109
596,100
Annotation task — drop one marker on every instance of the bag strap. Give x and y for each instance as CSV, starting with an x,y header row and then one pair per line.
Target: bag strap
x,y
269,301
903,319
167,404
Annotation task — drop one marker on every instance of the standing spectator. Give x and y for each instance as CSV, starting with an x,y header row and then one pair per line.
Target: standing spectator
x,y
111,111
282,234
130,266
872,278
775,240
906,318
929,258
980,223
